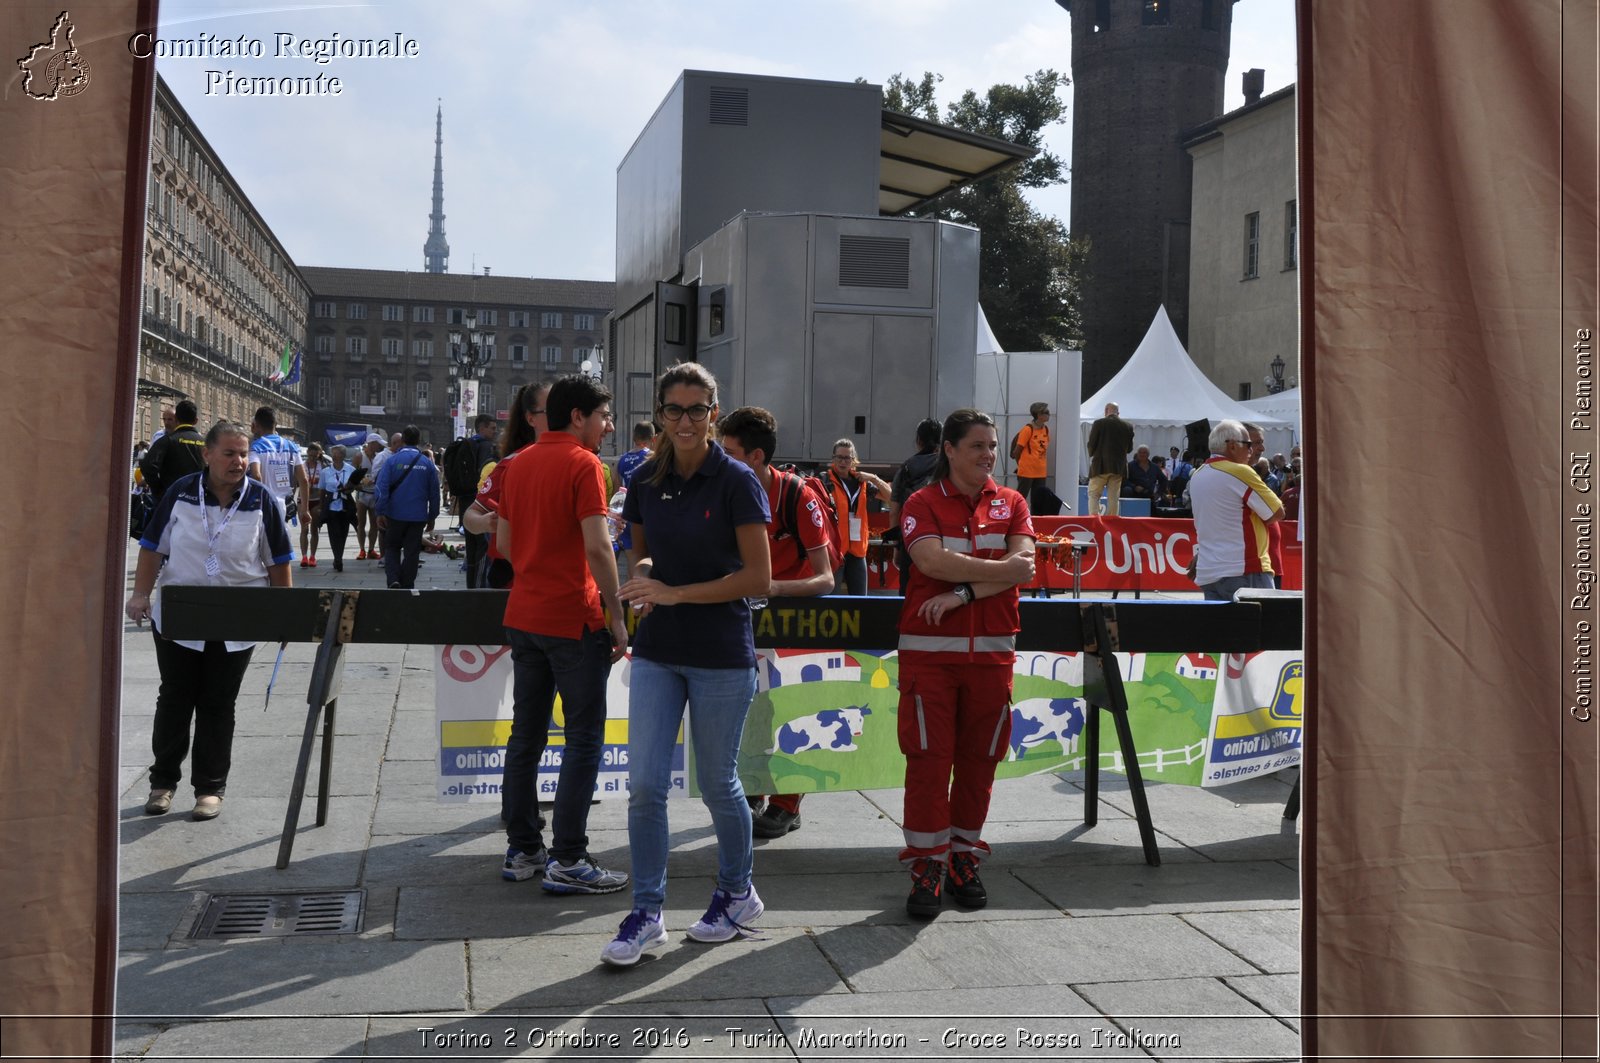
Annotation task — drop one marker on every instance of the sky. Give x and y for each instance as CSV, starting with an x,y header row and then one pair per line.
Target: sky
x,y
542,100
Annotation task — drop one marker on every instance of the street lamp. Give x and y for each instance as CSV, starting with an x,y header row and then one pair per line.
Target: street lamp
x,y
1275,382
594,369
471,351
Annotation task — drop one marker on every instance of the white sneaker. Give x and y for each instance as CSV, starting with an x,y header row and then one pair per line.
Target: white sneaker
x,y
641,932
729,916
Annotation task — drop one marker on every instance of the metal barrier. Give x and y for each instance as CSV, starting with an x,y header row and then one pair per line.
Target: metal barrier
x,y
1098,629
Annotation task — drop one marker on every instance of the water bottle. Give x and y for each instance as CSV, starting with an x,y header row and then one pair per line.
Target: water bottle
x,y
614,519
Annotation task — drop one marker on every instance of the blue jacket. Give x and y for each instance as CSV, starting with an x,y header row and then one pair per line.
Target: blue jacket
x,y
417,497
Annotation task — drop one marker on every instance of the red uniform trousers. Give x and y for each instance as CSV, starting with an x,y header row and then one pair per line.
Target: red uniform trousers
x,y
955,727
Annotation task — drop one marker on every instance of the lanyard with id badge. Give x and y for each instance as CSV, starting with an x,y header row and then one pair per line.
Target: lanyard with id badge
x,y
213,563
850,506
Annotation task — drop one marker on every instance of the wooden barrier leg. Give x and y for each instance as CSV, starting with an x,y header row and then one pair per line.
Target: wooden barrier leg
x,y
1291,807
1103,685
323,671
1141,805
325,774
1091,767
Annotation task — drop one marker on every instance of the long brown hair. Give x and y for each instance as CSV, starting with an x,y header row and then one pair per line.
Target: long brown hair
x,y
956,426
519,433
661,462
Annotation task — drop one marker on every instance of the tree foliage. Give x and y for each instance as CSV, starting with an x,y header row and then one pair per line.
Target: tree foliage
x,y
1030,268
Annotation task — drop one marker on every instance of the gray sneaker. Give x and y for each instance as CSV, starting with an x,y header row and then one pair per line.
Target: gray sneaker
x,y
582,876
520,866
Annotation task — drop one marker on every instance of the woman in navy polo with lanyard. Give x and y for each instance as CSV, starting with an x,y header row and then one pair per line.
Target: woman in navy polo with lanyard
x,y
699,522
213,528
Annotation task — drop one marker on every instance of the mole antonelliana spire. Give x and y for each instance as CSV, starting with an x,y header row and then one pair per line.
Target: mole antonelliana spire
x,y
436,252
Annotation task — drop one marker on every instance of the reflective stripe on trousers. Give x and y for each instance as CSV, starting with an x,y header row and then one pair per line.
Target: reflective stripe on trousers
x,y
959,644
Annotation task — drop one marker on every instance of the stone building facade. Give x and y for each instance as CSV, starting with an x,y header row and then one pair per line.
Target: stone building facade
x,y
378,349
1143,71
1244,286
221,298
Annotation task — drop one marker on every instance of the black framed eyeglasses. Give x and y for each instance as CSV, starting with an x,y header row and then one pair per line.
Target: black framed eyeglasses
x,y
697,413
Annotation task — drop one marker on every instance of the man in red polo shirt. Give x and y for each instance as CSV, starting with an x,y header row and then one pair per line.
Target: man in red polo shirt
x,y
971,544
798,543
552,525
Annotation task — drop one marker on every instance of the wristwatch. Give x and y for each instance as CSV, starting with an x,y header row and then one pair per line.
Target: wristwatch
x,y
964,592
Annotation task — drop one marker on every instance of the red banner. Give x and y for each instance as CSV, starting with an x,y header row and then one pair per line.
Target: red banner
x,y
1132,553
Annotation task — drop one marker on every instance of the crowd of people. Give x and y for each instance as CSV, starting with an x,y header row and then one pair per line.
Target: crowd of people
x,y
692,531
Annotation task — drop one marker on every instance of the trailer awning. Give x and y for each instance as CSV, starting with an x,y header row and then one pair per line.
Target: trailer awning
x,y
919,160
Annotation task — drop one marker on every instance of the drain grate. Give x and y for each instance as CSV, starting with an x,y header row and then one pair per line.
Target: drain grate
x,y
264,915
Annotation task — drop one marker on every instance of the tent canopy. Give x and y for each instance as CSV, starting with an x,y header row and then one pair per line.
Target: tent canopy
x,y
1161,389
1285,406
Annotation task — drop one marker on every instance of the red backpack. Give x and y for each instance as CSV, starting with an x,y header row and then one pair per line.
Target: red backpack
x,y
790,488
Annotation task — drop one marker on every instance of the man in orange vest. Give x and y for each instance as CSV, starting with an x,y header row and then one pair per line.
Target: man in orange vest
x,y
849,486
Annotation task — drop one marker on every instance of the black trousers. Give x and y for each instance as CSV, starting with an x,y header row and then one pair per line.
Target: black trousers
x,y
477,547
402,550
852,576
338,522
198,686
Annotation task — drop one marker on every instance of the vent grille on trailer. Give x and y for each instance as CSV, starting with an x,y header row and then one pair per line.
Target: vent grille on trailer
x,y
730,106
874,262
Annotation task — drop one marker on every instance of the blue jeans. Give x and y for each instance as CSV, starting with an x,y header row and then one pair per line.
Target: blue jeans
x,y
543,665
1224,589
718,700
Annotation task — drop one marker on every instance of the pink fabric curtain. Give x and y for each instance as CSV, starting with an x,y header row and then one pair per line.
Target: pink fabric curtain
x,y
1447,152
72,199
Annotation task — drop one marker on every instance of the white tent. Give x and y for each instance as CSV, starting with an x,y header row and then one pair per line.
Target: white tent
x,y
1161,389
1285,406
987,344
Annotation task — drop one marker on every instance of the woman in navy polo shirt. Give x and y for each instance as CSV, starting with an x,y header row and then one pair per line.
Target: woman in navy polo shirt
x,y
699,523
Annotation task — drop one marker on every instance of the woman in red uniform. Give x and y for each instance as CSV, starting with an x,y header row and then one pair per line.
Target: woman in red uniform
x,y
971,544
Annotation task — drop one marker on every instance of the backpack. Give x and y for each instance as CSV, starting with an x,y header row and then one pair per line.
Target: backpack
x,y
1016,444
790,488
461,468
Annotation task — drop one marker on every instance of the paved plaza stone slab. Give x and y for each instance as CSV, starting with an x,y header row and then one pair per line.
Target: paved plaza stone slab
x,y
275,1039
499,909
285,717
415,736
1194,1018
635,1031
876,959
1176,886
1044,797
1276,994
238,850
403,811
264,766
435,861
1068,951
1268,939
347,976
147,921
1070,845
511,974
131,1040
1243,821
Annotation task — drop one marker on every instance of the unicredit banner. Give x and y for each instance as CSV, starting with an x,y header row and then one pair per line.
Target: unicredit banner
x,y
1132,553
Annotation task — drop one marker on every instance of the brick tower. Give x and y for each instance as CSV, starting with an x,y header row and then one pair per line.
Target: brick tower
x,y
1143,71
